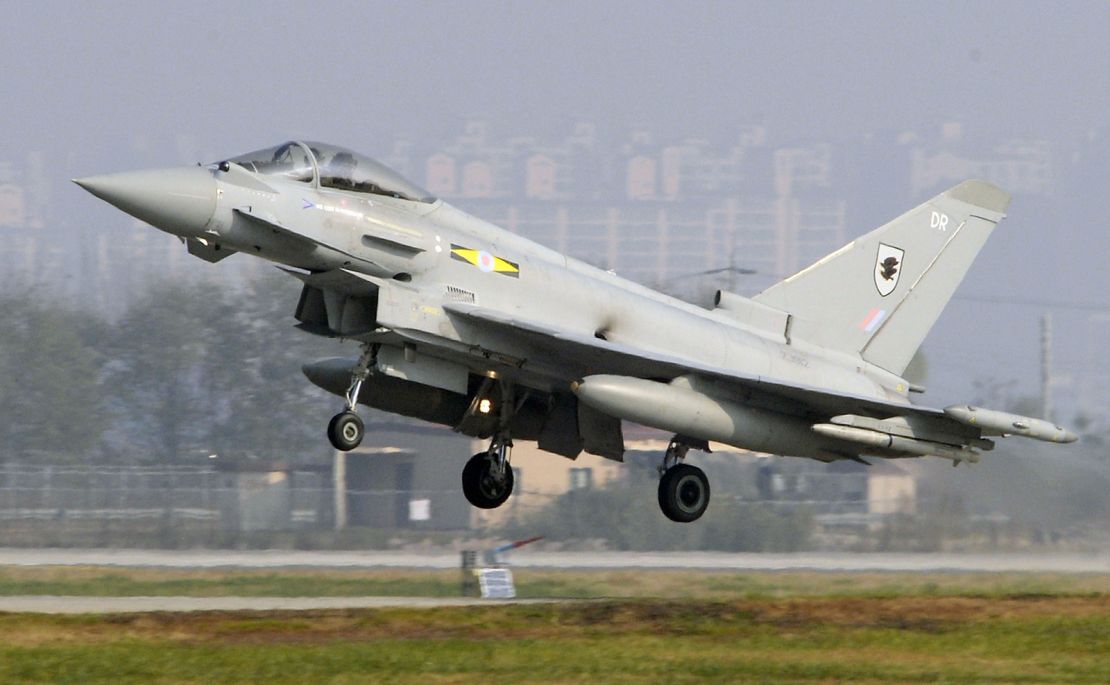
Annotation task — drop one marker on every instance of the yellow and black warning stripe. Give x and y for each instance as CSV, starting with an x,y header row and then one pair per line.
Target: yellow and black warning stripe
x,y
485,261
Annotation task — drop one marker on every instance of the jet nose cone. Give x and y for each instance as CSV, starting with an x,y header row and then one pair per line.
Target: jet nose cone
x,y
180,200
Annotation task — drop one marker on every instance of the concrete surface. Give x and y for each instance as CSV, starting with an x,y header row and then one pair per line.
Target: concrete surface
x,y
136,558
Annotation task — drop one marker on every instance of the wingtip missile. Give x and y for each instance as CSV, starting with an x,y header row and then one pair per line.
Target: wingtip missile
x,y
997,422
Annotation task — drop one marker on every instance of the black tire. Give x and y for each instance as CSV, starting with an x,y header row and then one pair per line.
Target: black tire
x,y
683,493
345,431
479,486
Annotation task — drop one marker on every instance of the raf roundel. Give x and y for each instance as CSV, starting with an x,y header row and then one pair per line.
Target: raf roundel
x,y
485,261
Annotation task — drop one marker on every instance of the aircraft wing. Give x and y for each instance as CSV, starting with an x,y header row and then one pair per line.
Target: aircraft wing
x,y
343,281
295,237
271,223
589,355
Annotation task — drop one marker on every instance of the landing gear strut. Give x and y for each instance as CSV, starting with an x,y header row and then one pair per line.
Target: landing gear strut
x,y
683,489
487,478
346,429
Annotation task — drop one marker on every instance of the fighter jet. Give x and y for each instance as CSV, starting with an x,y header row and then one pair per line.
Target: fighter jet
x,y
468,325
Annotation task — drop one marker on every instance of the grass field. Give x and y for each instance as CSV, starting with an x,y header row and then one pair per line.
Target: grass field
x,y
725,628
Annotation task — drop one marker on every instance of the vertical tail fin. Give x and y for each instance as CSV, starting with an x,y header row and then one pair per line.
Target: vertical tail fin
x,y
879,295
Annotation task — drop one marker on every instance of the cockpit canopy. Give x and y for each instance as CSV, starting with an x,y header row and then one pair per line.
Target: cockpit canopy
x,y
331,167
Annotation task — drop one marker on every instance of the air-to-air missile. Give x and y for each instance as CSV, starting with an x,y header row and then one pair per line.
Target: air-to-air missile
x,y
994,422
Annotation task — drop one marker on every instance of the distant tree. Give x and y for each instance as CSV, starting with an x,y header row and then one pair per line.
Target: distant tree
x,y
268,409
163,397
51,404
1003,395
757,527
626,516
202,368
1093,436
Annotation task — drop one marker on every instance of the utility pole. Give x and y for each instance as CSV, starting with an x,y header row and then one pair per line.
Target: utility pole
x,y
1046,366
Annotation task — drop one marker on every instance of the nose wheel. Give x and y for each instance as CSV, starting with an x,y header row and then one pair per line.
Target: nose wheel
x,y
683,489
345,430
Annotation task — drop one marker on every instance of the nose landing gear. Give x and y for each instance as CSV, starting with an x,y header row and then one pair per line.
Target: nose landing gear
x,y
683,489
345,430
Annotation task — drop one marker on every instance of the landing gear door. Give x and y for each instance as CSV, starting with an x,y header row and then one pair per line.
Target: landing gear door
x,y
419,368
601,433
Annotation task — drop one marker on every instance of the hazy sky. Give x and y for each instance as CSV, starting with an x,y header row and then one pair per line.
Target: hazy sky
x,y
112,86
100,78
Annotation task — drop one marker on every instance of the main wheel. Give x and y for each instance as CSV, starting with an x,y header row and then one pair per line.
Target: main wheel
x,y
683,493
345,431
480,487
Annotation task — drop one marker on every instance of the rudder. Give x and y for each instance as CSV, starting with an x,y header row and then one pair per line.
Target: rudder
x,y
879,295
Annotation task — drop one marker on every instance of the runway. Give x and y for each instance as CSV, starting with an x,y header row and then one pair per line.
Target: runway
x,y
706,561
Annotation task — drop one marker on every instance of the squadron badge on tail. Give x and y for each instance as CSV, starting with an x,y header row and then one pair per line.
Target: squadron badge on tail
x,y
888,266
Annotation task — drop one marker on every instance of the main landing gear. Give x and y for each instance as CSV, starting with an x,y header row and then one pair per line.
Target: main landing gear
x,y
487,478
683,489
345,430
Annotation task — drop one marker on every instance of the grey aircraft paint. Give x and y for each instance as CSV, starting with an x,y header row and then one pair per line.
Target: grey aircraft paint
x,y
468,325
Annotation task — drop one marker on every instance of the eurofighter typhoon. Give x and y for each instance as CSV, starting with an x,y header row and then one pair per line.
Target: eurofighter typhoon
x,y
465,324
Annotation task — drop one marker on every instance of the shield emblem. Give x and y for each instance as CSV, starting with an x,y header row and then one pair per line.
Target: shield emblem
x,y
888,268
